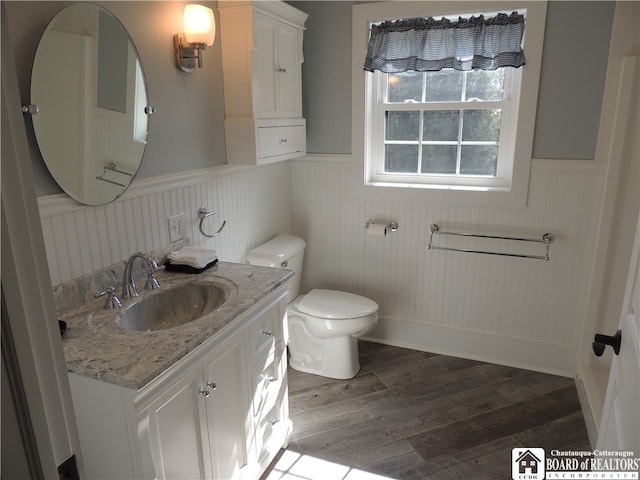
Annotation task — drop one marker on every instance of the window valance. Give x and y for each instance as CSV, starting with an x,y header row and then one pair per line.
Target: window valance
x,y
428,45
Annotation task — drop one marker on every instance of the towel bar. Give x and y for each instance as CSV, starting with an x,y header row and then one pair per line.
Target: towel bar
x,y
546,239
112,168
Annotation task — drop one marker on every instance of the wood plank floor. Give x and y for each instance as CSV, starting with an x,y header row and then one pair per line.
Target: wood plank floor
x,y
416,415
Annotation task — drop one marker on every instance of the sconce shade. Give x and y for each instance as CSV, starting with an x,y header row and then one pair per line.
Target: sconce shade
x,y
199,24
199,31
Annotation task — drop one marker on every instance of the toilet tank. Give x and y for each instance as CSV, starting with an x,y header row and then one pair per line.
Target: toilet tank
x,y
283,251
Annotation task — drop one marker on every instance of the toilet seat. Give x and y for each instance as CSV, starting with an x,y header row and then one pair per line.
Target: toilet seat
x,y
332,304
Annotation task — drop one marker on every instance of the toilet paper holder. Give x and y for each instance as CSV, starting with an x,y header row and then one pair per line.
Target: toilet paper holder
x,y
392,226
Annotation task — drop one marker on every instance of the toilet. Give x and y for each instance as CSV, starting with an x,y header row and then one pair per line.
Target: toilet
x,y
323,324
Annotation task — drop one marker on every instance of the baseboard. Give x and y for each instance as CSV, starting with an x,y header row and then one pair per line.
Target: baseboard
x,y
592,383
587,411
485,347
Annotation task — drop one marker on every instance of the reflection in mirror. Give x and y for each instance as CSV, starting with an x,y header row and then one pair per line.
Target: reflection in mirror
x,y
88,84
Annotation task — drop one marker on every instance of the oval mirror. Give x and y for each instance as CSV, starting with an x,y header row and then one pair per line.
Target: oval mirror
x,y
89,89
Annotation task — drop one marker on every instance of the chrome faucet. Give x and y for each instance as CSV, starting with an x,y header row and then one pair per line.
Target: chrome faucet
x,y
128,283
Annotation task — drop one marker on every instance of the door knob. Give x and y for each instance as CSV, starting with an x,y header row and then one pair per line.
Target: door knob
x,y
601,342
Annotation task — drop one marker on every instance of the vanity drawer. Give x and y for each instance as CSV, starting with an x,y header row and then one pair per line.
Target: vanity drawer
x,y
267,383
281,140
271,432
264,335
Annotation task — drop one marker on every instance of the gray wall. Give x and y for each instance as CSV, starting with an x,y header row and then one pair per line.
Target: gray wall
x,y
574,67
326,76
572,80
187,133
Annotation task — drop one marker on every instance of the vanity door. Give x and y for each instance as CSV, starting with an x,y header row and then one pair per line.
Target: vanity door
x,y
227,407
196,428
177,430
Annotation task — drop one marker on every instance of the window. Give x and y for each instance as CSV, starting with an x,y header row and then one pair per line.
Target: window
x,y
461,135
443,128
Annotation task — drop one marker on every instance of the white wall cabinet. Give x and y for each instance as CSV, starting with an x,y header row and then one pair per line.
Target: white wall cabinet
x,y
220,412
277,73
262,71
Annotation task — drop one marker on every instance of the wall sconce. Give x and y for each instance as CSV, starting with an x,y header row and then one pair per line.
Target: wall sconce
x,y
199,31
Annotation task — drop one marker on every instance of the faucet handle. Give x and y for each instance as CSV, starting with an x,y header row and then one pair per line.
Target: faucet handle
x,y
112,300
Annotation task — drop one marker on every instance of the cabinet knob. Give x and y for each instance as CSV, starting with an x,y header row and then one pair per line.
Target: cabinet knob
x,y
267,333
281,70
272,379
204,392
283,140
212,385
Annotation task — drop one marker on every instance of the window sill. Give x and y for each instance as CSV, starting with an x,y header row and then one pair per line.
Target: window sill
x,y
438,194
424,186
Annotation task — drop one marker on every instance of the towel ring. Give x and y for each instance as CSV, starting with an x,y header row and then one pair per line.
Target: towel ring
x,y
202,214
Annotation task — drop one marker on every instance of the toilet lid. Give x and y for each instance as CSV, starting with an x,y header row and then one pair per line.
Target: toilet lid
x,y
333,304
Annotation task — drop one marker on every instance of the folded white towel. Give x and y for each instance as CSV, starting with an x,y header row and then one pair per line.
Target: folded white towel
x,y
191,264
193,256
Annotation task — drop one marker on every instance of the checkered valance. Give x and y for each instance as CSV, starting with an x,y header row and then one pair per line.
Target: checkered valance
x,y
427,45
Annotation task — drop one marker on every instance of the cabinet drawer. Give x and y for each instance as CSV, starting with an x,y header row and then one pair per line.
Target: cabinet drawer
x,y
267,385
264,335
271,433
277,141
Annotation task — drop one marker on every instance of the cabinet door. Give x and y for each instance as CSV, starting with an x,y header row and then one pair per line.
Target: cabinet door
x,y
227,409
289,72
177,430
265,65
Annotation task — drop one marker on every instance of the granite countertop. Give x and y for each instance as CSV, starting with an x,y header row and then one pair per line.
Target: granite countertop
x,y
95,346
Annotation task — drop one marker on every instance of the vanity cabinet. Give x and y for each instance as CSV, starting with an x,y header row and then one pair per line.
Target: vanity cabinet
x,y
262,58
220,412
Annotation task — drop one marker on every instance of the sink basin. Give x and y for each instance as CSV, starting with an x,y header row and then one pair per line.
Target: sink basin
x,y
173,307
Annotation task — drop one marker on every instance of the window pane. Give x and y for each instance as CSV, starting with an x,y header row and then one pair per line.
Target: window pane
x,y
405,87
478,160
485,85
444,86
402,125
441,125
439,159
481,126
401,158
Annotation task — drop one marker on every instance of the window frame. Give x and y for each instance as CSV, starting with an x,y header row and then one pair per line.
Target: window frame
x,y
376,108
511,186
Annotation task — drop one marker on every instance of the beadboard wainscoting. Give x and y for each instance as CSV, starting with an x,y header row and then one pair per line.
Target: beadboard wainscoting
x,y
256,202
514,311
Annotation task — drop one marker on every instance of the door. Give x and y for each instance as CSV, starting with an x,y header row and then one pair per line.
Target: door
x,y
177,431
620,424
59,90
227,409
290,72
265,64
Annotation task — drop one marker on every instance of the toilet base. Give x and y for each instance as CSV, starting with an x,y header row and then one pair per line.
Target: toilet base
x,y
341,363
